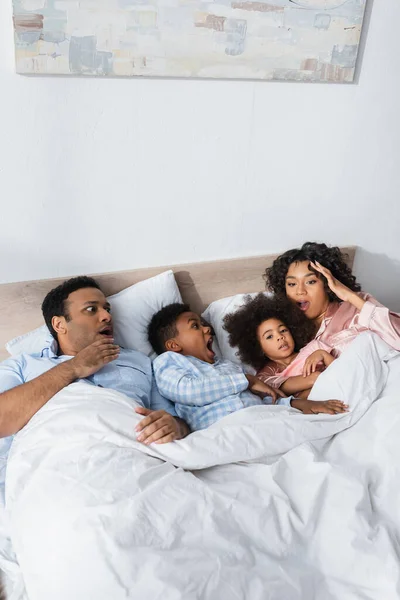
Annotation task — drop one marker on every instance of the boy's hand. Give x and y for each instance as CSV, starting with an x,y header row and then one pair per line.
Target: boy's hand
x,y
158,426
258,387
317,357
310,407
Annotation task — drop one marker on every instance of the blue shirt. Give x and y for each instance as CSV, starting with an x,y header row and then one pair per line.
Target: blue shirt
x,y
130,374
204,392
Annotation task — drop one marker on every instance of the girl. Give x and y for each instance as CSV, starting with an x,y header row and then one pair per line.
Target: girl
x,y
273,336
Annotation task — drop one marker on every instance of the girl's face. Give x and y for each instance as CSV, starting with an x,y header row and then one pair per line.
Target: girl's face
x,y
275,339
306,289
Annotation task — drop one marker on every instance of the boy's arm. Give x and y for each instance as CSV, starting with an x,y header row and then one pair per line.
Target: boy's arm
x,y
314,407
179,382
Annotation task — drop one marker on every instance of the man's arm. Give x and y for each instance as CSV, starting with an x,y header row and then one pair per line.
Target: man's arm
x,y
19,404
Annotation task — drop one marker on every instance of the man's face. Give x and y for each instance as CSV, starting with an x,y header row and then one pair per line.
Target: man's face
x,y
88,320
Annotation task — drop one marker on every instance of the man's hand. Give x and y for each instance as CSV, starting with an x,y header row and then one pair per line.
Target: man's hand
x,y
159,427
314,407
92,358
258,387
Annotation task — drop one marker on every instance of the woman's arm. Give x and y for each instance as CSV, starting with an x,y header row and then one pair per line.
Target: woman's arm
x,y
372,315
379,320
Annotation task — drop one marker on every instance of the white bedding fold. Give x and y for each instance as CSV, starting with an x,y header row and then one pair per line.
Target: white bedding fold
x,y
95,514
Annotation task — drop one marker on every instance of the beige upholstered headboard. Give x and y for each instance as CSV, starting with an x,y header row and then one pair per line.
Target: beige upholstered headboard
x,y
199,283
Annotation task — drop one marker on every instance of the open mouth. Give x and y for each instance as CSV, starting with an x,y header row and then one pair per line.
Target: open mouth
x,y
284,347
303,305
107,331
209,347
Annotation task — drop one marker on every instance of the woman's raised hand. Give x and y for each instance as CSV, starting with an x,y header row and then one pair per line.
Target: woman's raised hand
x,y
342,291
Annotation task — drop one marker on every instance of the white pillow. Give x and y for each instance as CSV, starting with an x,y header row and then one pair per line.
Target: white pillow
x,y
32,342
215,314
132,310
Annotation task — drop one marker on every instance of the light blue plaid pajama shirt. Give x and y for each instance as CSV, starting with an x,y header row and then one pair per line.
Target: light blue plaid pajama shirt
x,y
203,393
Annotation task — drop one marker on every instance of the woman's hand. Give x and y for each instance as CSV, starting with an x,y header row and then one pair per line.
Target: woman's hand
x,y
342,291
316,358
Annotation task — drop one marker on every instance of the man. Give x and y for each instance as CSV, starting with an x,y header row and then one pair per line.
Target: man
x,y
78,316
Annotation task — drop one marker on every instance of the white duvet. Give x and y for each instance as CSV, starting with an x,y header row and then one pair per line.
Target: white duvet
x,y
267,504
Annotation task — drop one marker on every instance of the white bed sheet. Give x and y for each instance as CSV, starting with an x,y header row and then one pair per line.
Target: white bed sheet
x,y
308,509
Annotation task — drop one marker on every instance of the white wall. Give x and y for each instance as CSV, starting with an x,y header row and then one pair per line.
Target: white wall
x,y
100,175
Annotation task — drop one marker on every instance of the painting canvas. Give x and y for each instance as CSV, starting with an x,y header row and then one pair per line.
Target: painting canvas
x,y
290,40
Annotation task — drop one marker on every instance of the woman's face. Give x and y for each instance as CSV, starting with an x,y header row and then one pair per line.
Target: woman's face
x,y
275,339
306,289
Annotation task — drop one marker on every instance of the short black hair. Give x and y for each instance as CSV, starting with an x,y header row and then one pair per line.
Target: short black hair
x,y
242,326
330,257
55,303
162,326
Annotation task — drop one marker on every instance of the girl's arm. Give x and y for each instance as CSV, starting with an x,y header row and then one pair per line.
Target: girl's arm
x,y
304,394
289,385
271,375
298,383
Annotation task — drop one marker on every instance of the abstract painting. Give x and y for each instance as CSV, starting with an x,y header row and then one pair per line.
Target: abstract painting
x,y
284,40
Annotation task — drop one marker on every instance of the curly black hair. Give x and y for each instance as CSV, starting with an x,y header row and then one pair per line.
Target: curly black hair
x,y
330,257
242,326
55,303
162,326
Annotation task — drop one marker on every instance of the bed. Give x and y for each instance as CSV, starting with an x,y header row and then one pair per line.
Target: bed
x,y
267,503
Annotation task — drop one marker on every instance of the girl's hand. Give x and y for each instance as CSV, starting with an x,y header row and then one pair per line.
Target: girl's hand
x,y
317,357
342,291
262,389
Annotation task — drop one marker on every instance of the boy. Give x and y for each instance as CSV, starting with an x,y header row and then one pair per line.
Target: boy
x,y
203,388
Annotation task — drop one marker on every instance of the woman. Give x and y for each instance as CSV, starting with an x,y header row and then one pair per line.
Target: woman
x,y
317,279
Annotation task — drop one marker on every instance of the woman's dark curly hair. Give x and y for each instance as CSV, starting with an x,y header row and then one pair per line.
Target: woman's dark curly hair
x,y
242,326
331,258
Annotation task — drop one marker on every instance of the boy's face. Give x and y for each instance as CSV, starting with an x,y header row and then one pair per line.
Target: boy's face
x,y
275,339
193,338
